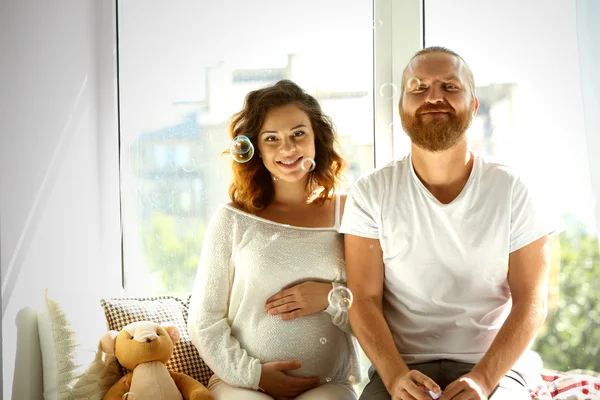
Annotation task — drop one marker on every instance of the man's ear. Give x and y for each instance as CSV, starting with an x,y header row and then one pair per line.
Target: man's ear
x,y
173,331
108,342
475,105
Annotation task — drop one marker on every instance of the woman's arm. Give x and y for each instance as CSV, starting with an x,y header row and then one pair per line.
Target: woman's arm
x,y
207,326
307,298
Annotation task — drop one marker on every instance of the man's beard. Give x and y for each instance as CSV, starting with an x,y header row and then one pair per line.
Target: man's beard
x,y
440,133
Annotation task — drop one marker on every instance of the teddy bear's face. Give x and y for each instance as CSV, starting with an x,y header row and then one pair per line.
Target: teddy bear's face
x,y
139,344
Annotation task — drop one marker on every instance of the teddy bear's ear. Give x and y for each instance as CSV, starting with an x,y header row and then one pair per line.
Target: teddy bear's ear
x,y
108,341
173,331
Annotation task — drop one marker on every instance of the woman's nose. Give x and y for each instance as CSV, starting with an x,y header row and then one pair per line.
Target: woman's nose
x,y
287,146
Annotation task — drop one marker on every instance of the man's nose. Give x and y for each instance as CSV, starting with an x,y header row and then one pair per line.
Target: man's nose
x,y
435,95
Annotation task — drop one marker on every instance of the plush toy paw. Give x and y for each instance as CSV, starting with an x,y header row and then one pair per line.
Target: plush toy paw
x,y
121,387
201,394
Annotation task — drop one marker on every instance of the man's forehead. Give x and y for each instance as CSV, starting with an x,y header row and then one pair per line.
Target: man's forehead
x,y
435,64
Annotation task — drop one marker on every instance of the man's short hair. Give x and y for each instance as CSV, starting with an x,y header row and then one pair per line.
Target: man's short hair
x,y
438,49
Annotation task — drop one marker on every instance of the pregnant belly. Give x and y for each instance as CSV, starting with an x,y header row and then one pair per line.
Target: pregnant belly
x,y
321,346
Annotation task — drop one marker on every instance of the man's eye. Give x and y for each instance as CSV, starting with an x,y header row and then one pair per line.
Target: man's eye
x,y
450,86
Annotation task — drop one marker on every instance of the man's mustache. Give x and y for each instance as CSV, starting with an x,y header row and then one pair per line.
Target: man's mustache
x,y
428,108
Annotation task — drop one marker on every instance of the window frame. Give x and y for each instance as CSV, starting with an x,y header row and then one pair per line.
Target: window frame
x,y
393,47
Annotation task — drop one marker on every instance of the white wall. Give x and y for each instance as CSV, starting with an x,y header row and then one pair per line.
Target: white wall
x,y
59,208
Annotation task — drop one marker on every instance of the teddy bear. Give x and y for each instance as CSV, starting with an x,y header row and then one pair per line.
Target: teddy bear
x,y
144,347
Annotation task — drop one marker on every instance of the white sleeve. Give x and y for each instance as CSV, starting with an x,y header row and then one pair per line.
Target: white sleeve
x,y
529,221
360,217
339,317
208,326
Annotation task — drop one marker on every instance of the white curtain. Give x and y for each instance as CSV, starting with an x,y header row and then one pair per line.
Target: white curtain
x,y
588,37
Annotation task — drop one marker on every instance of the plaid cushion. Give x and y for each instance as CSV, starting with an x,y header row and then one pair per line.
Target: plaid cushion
x,y
185,358
575,384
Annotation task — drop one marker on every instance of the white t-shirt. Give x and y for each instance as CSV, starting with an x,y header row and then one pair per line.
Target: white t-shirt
x,y
445,292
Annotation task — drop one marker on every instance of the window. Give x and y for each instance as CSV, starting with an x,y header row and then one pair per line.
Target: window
x,y
526,66
184,69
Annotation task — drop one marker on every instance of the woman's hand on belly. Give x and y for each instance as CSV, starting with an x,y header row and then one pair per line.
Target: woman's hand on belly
x,y
303,299
276,383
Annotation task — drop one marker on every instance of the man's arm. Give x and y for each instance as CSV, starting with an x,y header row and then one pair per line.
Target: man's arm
x,y
528,282
365,274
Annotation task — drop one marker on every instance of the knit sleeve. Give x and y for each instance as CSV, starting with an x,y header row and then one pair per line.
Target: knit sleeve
x,y
208,325
339,317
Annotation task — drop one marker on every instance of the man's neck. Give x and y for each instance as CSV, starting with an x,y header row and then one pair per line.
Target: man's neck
x,y
443,173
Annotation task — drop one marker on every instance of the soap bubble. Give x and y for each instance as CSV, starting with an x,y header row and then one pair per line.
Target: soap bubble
x,y
241,149
308,164
190,165
128,396
388,90
328,379
323,340
340,298
496,272
413,82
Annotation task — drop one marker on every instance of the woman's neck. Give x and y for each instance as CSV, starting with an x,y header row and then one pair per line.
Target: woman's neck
x,y
290,193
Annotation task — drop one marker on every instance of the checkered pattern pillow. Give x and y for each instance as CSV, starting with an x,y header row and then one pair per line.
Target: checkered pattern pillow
x,y
185,358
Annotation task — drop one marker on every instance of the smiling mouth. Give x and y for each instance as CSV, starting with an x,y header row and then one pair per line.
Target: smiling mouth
x,y
290,164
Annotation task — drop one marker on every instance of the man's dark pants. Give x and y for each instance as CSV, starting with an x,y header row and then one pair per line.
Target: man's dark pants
x,y
444,372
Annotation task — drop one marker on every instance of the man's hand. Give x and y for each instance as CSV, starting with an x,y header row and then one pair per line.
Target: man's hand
x,y
412,385
467,387
279,385
303,299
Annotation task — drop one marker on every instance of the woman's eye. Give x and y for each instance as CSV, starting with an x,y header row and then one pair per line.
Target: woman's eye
x,y
270,139
298,133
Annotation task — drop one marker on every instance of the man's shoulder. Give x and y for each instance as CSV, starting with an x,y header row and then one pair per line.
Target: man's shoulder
x,y
494,168
384,174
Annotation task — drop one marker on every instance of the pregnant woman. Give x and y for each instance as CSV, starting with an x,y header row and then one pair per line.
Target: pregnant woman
x,y
259,313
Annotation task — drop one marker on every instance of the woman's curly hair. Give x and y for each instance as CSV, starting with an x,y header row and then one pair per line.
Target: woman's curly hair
x,y
252,187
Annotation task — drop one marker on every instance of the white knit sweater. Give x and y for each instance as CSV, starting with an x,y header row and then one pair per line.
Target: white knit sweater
x,y
245,260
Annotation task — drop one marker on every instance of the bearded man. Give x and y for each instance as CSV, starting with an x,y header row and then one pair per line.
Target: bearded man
x,y
446,253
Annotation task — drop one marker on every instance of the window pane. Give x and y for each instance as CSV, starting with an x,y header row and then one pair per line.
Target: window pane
x,y
525,61
184,69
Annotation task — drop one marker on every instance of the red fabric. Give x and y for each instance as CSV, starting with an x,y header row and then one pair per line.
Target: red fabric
x,y
567,386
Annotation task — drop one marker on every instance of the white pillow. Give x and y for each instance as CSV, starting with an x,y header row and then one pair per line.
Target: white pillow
x,y
73,365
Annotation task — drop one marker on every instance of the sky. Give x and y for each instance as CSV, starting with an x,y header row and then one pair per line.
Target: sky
x,y
165,46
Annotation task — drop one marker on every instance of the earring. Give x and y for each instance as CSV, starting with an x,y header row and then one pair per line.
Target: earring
x,y
274,177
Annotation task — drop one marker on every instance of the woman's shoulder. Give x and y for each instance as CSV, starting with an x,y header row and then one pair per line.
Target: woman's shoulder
x,y
234,205
225,212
